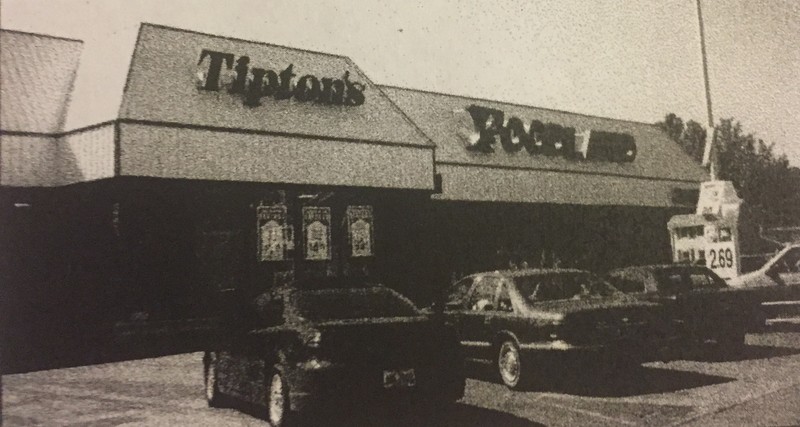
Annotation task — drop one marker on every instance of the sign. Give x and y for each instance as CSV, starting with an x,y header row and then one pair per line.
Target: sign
x,y
360,231
272,233
550,139
718,198
317,232
723,259
254,83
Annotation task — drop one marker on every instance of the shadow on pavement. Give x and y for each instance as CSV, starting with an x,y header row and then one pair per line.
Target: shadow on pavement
x,y
749,352
456,415
594,380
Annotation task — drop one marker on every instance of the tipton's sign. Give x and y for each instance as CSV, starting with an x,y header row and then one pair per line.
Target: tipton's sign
x,y
545,138
255,83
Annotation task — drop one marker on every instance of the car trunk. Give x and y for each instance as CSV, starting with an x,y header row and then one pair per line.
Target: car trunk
x,y
395,343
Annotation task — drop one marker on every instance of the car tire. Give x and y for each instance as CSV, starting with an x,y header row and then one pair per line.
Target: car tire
x,y
277,400
510,366
213,396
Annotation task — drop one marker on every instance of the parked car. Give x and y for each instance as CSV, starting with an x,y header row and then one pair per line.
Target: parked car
x,y
777,282
334,342
519,319
702,306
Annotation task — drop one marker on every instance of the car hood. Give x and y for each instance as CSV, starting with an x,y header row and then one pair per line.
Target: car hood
x,y
754,279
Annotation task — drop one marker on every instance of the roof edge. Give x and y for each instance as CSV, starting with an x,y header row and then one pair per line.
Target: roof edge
x,y
47,36
394,105
516,104
237,39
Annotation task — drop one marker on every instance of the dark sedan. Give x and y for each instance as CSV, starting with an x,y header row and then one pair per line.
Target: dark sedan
x,y
336,344
704,308
520,319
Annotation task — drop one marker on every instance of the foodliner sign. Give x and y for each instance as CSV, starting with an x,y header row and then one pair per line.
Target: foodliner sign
x,y
550,139
254,83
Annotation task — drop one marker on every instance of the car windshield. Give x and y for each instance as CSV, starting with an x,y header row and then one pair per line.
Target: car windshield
x,y
357,303
562,286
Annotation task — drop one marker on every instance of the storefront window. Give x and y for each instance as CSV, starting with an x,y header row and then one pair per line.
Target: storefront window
x,y
317,232
360,231
273,233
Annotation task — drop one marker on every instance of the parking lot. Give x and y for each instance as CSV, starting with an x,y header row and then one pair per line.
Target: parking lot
x,y
760,387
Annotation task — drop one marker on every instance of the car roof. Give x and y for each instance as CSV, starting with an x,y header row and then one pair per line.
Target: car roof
x,y
654,268
529,272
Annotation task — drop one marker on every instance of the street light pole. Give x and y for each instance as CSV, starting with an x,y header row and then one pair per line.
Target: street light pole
x,y
710,130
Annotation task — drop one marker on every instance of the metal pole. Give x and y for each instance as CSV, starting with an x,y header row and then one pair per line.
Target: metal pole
x,y
710,131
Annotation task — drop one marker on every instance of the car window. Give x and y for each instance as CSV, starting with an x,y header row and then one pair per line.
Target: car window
x,y
702,280
628,281
684,279
459,290
504,298
561,286
483,294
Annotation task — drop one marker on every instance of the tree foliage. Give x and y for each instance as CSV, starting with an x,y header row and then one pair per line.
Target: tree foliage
x,y
769,186
691,136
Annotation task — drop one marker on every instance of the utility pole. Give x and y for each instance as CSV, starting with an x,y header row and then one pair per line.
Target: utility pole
x,y
710,130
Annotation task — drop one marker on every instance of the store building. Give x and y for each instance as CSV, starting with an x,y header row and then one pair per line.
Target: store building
x,y
228,164
212,163
530,186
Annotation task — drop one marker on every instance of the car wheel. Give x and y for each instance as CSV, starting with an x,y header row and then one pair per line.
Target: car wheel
x,y
509,365
277,400
212,389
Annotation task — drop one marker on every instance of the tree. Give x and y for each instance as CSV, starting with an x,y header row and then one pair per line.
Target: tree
x,y
766,182
691,136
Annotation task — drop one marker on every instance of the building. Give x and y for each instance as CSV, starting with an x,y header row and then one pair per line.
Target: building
x,y
214,163
530,185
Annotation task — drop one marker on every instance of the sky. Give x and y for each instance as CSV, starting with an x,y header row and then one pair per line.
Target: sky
x,y
633,59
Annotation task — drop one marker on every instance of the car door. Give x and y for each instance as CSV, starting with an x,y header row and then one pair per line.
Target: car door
x,y
674,292
478,317
455,306
505,317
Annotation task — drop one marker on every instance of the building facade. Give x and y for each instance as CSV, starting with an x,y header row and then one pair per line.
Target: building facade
x,y
226,163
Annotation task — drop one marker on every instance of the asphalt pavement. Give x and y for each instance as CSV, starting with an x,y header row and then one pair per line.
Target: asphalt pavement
x,y
759,387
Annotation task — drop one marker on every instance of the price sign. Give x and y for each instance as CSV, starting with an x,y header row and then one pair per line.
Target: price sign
x,y
723,259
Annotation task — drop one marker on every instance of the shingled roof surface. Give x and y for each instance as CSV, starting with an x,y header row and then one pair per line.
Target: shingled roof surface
x,y
442,118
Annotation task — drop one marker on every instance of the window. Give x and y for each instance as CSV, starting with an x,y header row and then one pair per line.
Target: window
x,y
628,281
483,295
458,291
700,281
504,298
562,286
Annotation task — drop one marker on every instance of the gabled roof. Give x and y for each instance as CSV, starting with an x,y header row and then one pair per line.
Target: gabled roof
x,y
36,76
162,86
441,117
